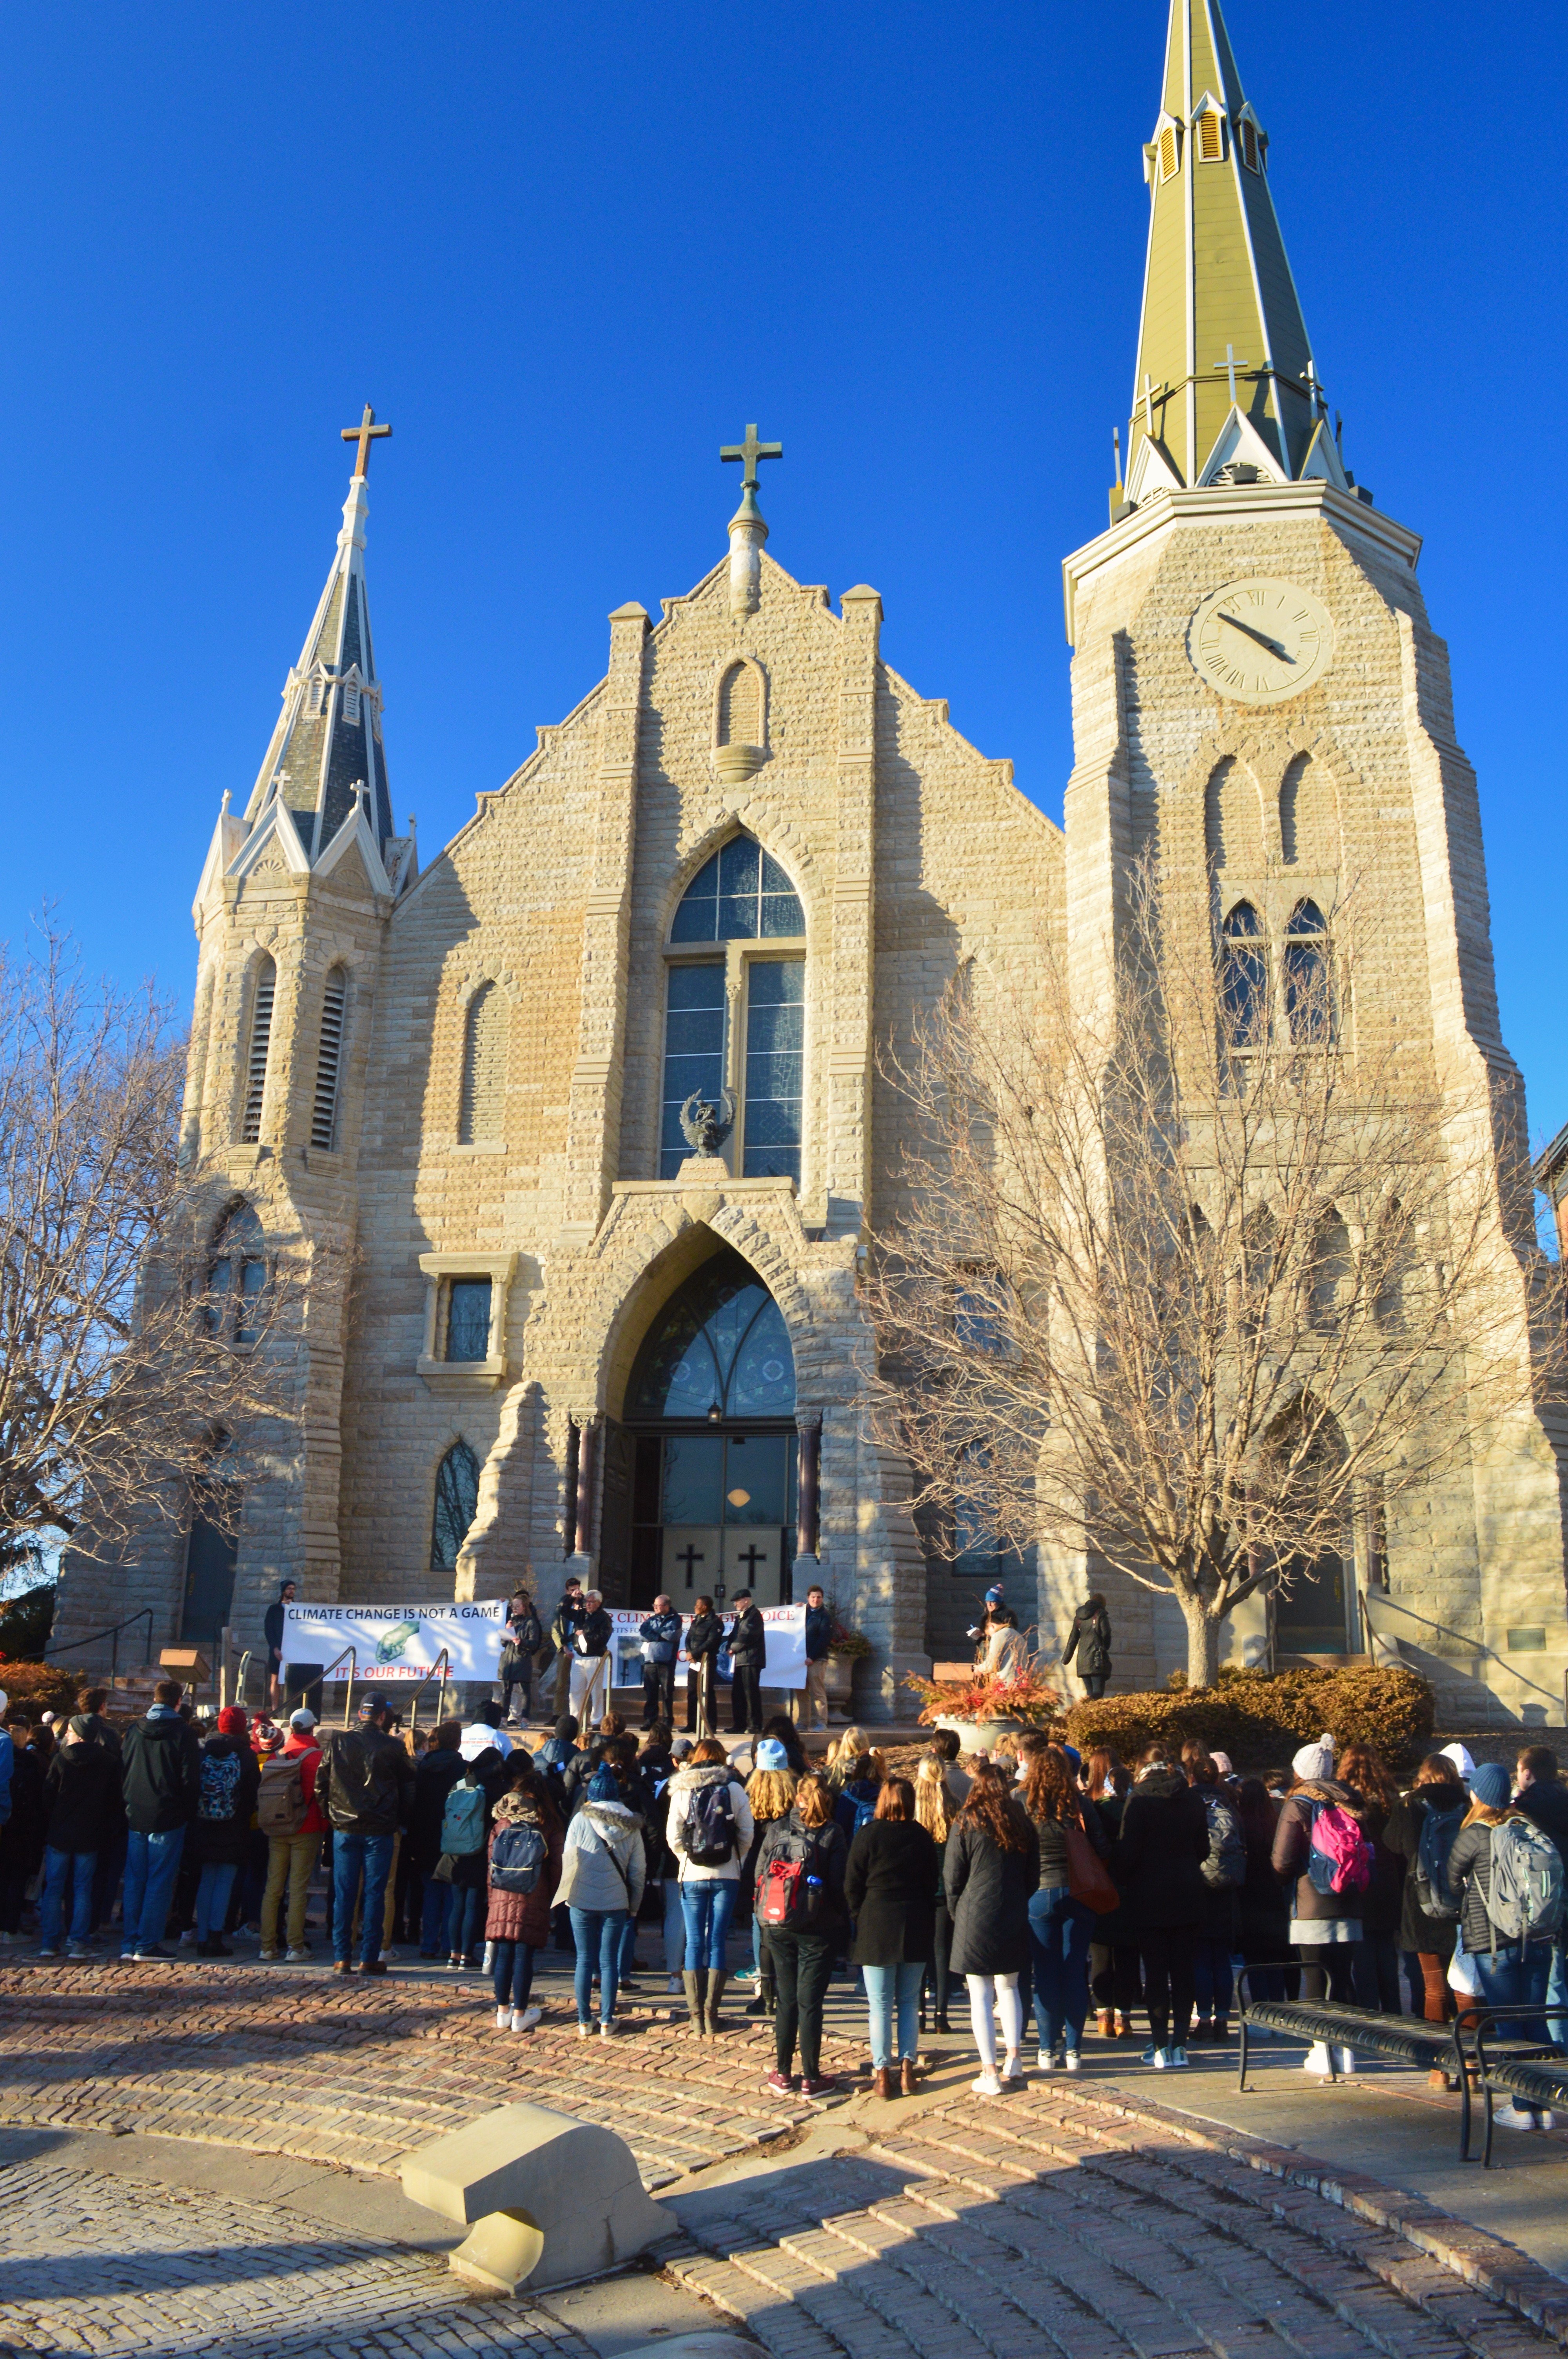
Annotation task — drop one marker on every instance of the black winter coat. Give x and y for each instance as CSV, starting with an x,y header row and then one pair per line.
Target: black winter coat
x,y
1089,1639
889,1889
22,1836
1418,1931
1547,1806
748,1639
818,1634
365,1783
162,1761
1163,1842
825,1853
989,1892
704,1635
595,1630
435,1775
81,1798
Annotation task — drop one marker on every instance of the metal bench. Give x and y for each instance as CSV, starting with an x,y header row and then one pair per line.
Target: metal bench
x,y
1523,2069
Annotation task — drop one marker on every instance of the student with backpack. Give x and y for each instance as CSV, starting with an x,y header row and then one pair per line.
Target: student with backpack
x,y
800,1908
1059,1924
1160,1852
1322,1853
465,1826
602,1872
230,1777
1507,1878
708,1828
525,1841
1423,1827
1224,1872
294,1823
1375,1966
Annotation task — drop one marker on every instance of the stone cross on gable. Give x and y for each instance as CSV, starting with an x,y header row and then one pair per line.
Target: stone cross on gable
x,y
366,432
751,450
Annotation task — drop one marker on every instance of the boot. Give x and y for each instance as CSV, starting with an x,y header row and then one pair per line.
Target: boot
x,y
882,2083
1123,2028
1106,2021
695,1985
907,2082
716,1982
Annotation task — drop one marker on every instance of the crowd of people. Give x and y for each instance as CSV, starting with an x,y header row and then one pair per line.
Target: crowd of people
x,y
1050,1886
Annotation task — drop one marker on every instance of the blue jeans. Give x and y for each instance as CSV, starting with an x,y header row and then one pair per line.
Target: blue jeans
x,y
433,1919
597,1933
152,1863
1557,1994
892,1990
513,1969
1059,1953
708,1904
674,1927
212,1897
67,1872
1517,1976
1214,1977
354,1855
465,1917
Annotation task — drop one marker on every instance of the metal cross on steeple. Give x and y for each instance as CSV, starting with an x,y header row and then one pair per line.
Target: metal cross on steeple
x,y
751,450
1230,364
366,432
1317,399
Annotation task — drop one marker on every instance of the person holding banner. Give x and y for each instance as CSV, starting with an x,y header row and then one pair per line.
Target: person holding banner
x,y
749,1654
660,1637
590,1663
704,1637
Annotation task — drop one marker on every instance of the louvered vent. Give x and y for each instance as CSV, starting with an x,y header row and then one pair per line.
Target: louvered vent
x,y
329,1059
1210,142
484,1067
261,1038
740,707
1169,152
351,704
1249,147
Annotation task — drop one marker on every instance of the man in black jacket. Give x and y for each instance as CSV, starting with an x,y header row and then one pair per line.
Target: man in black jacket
x,y
590,1663
660,1634
819,1646
1540,1794
272,1631
524,1636
81,1801
569,1613
162,1764
435,1772
748,1645
366,1785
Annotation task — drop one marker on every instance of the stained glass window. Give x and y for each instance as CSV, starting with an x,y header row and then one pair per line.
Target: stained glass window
x,y
775,1047
1243,977
457,1504
720,1341
1309,1006
741,896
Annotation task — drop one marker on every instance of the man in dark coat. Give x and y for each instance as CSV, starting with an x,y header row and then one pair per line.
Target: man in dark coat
x,y
1159,1867
660,1636
162,1762
366,1785
524,1636
569,1613
748,1644
272,1631
82,1803
819,1646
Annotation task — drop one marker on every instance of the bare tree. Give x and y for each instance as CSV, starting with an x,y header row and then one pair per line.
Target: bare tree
x,y
141,1338
1197,1269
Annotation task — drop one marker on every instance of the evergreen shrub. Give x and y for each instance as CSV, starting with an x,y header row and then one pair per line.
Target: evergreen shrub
x,y
1261,1719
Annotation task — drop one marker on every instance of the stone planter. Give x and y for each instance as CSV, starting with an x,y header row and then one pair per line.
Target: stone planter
x,y
841,1671
981,1735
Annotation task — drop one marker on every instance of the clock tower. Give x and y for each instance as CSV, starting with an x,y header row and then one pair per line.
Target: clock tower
x,y
1262,707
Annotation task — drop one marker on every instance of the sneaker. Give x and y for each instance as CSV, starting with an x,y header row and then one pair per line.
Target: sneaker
x,y
373,1966
391,1957
779,2084
585,2031
747,1974
79,1948
674,1986
127,1957
47,1950
987,2085
455,1964
1155,2056
1177,2059
150,1950
1345,2059
300,1957
818,2086
1316,2060
608,2027
1012,2069
1071,2060
524,2018
188,1939
1516,2117
269,1957
503,2018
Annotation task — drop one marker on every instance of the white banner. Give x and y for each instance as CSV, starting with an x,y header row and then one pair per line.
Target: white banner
x,y
398,1643
785,1666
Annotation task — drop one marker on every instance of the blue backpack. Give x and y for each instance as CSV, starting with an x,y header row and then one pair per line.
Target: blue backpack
x,y
220,1785
462,1820
1438,1828
516,1858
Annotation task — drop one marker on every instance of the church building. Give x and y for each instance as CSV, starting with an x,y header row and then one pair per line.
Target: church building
x,y
596,1099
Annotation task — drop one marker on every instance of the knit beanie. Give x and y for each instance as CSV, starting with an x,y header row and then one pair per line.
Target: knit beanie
x,y
770,1753
1490,1784
232,1721
1459,1755
1316,1760
602,1788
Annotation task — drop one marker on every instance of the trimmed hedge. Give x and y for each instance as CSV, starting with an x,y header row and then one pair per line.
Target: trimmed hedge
x,y
41,1687
1260,1720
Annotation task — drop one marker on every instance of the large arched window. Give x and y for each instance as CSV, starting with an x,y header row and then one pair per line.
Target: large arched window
x,y
719,1351
236,1277
1243,978
712,1094
262,993
1309,1006
484,1097
329,1059
457,1504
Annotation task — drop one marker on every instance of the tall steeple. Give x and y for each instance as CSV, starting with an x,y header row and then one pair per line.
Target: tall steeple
x,y
1222,327
326,750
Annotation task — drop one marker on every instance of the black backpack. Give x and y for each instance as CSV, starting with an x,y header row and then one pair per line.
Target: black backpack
x,y
710,1826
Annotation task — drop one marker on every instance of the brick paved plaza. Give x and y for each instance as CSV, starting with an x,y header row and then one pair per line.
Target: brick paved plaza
x,y
1069,2221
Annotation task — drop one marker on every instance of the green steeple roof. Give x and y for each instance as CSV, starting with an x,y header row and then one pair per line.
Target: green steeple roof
x,y
1216,275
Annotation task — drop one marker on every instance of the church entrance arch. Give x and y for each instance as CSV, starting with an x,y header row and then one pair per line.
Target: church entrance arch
x,y
710,1419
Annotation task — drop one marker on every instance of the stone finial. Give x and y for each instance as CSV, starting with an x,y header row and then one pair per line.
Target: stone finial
x,y
747,533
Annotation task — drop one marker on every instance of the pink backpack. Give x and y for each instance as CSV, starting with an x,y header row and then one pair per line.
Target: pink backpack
x,y
1340,1857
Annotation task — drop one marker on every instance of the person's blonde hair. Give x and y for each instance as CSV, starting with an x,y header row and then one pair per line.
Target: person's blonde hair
x,y
841,1760
769,1792
1486,1814
933,1804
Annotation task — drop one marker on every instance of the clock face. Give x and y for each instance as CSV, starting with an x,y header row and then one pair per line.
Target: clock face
x,y
1260,641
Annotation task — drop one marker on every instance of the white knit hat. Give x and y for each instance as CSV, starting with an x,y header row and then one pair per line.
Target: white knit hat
x,y
1316,1760
1460,1757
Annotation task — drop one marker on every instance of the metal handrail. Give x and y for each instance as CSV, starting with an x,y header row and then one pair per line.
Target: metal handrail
x,y
443,1664
347,1656
240,1675
143,1613
1478,1645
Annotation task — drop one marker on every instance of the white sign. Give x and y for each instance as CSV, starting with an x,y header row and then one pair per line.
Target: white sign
x,y
785,1626
398,1643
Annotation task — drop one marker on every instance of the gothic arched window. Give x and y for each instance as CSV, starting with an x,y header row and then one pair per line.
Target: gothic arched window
x,y
484,1097
1243,978
263,991
1309,997
329,1059
457,1504
236,1276
740,895
720,1344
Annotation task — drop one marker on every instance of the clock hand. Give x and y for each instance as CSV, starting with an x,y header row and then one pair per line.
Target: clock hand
x,y
1272,645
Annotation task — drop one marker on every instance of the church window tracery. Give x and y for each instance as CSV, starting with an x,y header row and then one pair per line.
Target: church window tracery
x,y
263,994
722,1340
329,1059
1243,977
236,1276
739,894
1309,1010
457,1504
735,1026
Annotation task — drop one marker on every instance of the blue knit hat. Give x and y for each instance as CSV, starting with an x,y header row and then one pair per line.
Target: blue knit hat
x,y
1490,1785
602,1788
771,1754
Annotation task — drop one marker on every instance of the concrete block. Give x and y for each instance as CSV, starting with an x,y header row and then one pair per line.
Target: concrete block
x,y
551,2199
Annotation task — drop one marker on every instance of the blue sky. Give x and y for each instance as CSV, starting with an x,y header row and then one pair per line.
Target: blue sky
x,y
568,251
